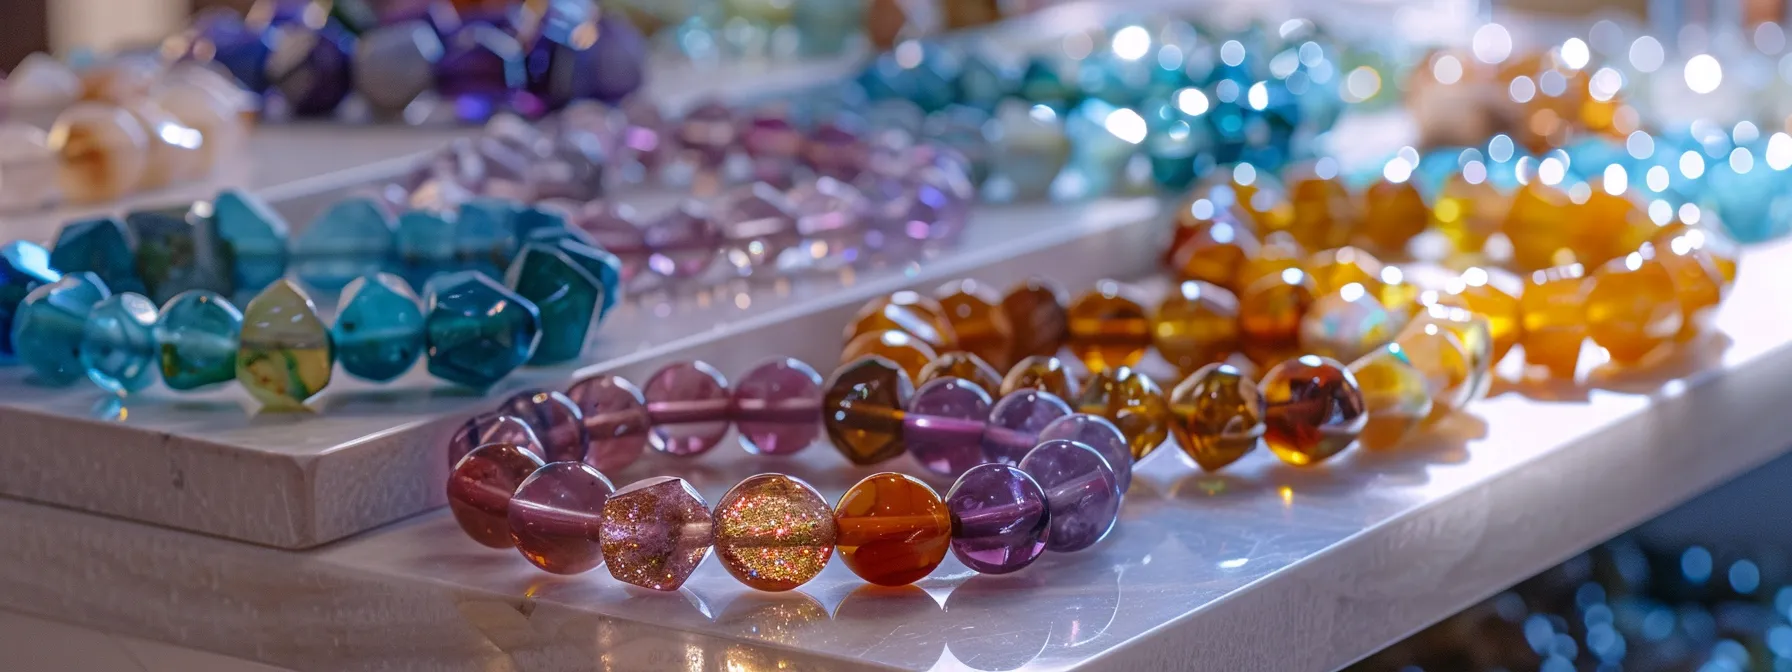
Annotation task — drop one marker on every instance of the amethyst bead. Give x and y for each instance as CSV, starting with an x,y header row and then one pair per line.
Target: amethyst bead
x,y
620,59
688,402
772,142
835,150
1000,519
480,71
1080,493
758,225
615,418
220,36
1096,432
830,216
556,514
707,133
1016,421
684,242
310,68
944,425
776,407
616,229
555,419
655,532
492,428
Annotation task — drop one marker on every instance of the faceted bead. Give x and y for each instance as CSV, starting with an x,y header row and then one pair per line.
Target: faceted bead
x,y
476,331
776,405
286,355
1554,306
1108,329
1082,493
423,245
1481,292
1394,395
352,238
311,67
879,316
601,264
214,110
1218,415
1133,402
1397,294
567,296
1441,358
1036,311
707,132
1467,212
757,224
556,516
480,71
1098,433
485,235
655,532
1633,309
893,530
684,242
174,255
774,532
862,409
960,364
1016,421
118,345
1604,222
1334,268
554,419
1270,314
1323,210
1472,334
1347,324
1313,409
943,427
167,161
620,56
1720,248
898,347
835,149
493,427
1196,325
480,487
219,38
616,421
197,337
1198,212
101,152
379,328
1243,188
1278,253
1042,373
47,326
1002,519
1393,212
394,64
688,402
28,166
1215,253
978,321
1538,224
253,236
1697,284
1030,148
100,246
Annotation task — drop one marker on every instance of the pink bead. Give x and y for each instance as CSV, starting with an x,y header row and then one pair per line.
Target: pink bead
x,y
480,488
617,229
655,532
556,514
689,404
616,421
491,428
555,419
684,242
777,407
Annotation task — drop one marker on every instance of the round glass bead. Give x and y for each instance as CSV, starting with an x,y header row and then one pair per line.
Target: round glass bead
x,y
774,532
1332,269
1097,433
901,349
555,516
1082,493
1218,415
492,428
892,530
1269,316
944,425
960,364
1314,409
616,421
655,532
930,329
286,355
379,329
480,487
1347,324
1042,373
48,324
688,402
1016,421
1215,253
978,321
1108,329
775,406
1394,396
1002,519
197,338
555,420
118,345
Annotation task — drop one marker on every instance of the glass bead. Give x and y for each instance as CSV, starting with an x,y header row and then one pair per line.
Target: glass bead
x,y
1036,310
1196,325
1440,357
1082,493
24,266
775,406
1030,147
1215,253
118,347
892,530
1633,309
480,71
683,242
174,255
1347,324
774,532
1002,519
1270,313
1394,395
1250,190
311,66
48,324
476,331
485,235
555,516
1539,224
100,246
1334,268
1133,402
102,152
352,238
423,245
1469,209
197,338
286,355
554,419
1698,286
1108,329
1481,291
862,409
1554,310
379,329
1397,294
757,224
1603,224
600,264
943,427
1042,373
492,427
394,64
1472,334
1313,409
978,321
1098,433
480,488
884,316
959,364
1721,249
1324,212
1015,422
253,236
616,421
1393,212
688,402
1217,415
567,297
897,347
655,532
1279,252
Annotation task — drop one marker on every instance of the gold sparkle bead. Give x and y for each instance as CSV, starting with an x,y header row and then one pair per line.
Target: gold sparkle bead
x,y
1540,226
1469,210
1108,329
1133,402
774,532
1036,310
1323,211
1633,309
1393,212
1313,409
1554,306
1335,268
1441,359
899,347
1278,252
1394,394
1269,316
1217,415
961,364
1348,323
975,313
887,316
1472,332
1040,372
1720,247
1196,325
1215,253
1697,286
1481,292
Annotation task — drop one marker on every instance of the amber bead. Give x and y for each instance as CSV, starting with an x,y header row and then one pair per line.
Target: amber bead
x,y
1196,325
1469,211
899,347
1395,396
1243,188
1439,356
1347,324
892,530
1313,409
1217,415
961,364
1480,291
1323,211
920,304
1554,306
1332,269
1398,294
976,316
1279,252
862,409
1197,213
1133,402
1540,226
1215,253
1393,212
1633,309
1722,249
1602,227
1042,373
1472,333
774,532
1698,285
1036,310
886,316
1269,315
1108,329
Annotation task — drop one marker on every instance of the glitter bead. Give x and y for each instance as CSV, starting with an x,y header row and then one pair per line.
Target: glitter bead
x,y
1002,519
900,348
47,327
1270,313
689,404
656,532
197,338
1081,491
892,529
1395,395
1016,421
477,331
616,421
1042,373
978,321
1133,402
379,329
492,428
555,517
1196,325
480,487
1041,323
118,347
286,355
1108,329
862,409
1347,324
1313,409
774,532
960,364
1097,433
1218,415
943,427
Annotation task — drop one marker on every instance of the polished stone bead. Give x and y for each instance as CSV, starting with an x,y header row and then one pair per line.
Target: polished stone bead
x,y
118,345
1082,493
253,237
906,352
480,488
774,532
1269,316
1037,310
683,242
24,266
423,245
862,409
1347,324
892,530
616,421
555,517
47,326
1097,433
1108,329
176,254
311,67
492,428
1196,325
286,355
1394,396
1016,421
101,246
1002,518
1313,409
1133,402
480,71
1633,309
394,64
1554,310
961,364
476,330
354,237
776,405
689,403
568,297
1217,415
944,425
655,532
1042,373
197,336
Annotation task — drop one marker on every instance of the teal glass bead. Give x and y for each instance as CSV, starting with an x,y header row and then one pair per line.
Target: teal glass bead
x,y
46,331
477,331
285,356
983,84
597,261
1752,198
352,238
24,266
253,237
485,235
118,344
918,72
535,222
379,330
175,254
1177,151
425,245
101,246
960,127
569,299
197,337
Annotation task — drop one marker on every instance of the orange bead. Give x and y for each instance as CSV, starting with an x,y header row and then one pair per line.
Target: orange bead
x,y
1254,192
1335,268
885,316
1469,209
1133,402
1603,226
892,529
1480,291
1278,252
904,350
1633,309
1313,409
915,301
961,364
1036,311
1269,316
1042,373
1323,210
1197,324
1540,226
1722,250
1107,329
1218,415
1397,293
976,316
1393,212
1554,305
1697,284
1215,253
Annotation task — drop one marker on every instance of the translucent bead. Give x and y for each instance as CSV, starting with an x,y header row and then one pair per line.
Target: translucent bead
x,y
1633,309
1217,415
688,402
976,316
1314,409
892,530
1698,285
118,345
616,421
1334,268
1081,491
477,331
1278,253
1554,306
1440,358
555,516
1108,329
1347,324
100,246
1269,316
1721,249
1133,402
1472,334
1393,212
943,427
774,532
656,532
102,152
1036,310
480,487
1196,325
960,364
898,347
908,312
1394,395
1215,253
1002,519
1485,292
352,238
47,326
286,355
863,409
174,255
253,236
1539,225
1031,147
775,407
568,297
1469,209
1324,212
197,338
1042,373
486,234
379,329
